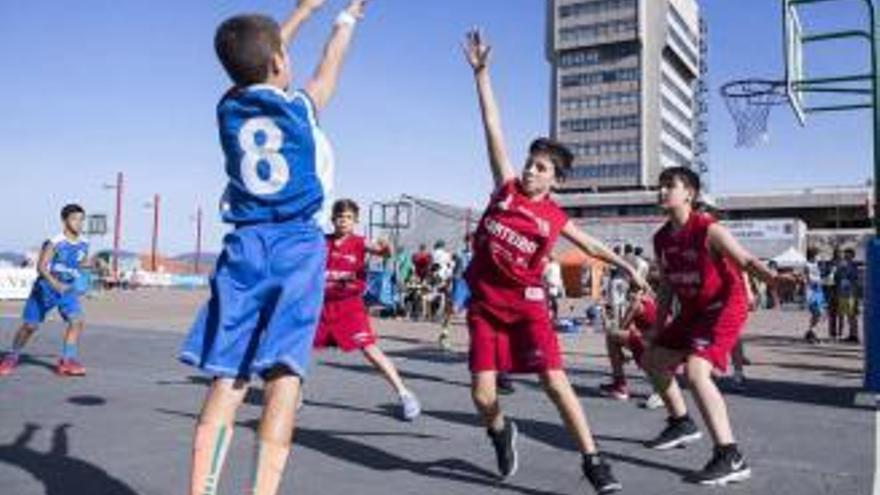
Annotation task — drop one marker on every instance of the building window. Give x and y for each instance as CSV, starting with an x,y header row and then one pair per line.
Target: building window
x,y
679,136
676,19
600,123
683,97
600,77
574,104
601,148
596,7
606,171
676,112
676,40
592,32
675,156
598,55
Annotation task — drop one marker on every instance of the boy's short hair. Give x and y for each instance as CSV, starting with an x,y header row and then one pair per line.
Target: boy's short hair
x,y
71,209
638,250
687,177
245,45
561,156
343,205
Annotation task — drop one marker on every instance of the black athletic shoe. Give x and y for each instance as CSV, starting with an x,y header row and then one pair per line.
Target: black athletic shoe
x,y
852,339
504,384
504,442
811,337
678,432
726,466
599,474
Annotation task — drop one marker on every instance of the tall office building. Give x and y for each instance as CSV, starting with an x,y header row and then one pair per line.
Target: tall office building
x,y
625,88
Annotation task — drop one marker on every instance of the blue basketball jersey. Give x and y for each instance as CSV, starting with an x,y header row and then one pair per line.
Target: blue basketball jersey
x,y
278,161
68,256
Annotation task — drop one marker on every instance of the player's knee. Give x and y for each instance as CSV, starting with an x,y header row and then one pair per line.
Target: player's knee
x,y
484,397
697,372
554,383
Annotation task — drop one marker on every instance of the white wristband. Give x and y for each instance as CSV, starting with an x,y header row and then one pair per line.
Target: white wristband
x,y
345,19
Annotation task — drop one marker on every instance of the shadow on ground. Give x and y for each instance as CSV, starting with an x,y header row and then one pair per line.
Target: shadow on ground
x,y
57,470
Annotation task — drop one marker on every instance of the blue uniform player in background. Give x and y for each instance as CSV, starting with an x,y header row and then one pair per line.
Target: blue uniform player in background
x,y
268,284
59,269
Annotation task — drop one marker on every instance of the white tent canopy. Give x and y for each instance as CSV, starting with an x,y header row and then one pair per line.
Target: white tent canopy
x,y
790,258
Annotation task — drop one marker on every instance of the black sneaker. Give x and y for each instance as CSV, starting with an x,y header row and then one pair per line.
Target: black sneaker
x,y
598,473
811,337
504,442
852,339
504,384
678,432
726,466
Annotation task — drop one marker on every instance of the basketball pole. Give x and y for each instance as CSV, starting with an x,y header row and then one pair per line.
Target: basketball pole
x,y
871,322
872,250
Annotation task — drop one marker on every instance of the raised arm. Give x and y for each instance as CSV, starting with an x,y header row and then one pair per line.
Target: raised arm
x,y
477,54
323,84
304,9
597,249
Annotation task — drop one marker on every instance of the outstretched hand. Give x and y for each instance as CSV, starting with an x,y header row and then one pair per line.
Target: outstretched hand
x,y
641,283
356,8
475,50
310,4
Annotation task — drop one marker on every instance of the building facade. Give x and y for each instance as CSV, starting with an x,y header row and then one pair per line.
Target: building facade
x,y
625,88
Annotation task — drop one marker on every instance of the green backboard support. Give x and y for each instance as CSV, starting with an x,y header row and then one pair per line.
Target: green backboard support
x,y
794,59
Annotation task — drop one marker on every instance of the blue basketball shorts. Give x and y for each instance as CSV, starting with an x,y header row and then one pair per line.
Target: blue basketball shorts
x,y
266,295
44,298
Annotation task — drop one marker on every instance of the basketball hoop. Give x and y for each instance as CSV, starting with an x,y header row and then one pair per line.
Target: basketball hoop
x,y
749,102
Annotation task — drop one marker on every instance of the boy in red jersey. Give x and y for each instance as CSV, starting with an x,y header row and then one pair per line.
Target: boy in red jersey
x,y
701,265
639,319
510,328
344,320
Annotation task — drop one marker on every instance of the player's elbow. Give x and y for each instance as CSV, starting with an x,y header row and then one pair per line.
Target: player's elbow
x,y
747,262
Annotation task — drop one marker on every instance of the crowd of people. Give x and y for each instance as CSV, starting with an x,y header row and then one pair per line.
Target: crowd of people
x,y
833,292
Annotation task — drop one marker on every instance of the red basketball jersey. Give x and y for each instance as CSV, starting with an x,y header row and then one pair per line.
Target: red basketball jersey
x,y
514,236
698,277
346,268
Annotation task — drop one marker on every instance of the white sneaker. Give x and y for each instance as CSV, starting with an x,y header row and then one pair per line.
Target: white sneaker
x,y
410,408
652,402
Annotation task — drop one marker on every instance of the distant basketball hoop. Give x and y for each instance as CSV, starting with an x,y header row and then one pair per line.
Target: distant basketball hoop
x,y
96,224
391,218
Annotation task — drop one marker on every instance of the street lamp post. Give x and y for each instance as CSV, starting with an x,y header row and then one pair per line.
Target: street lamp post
x,y
117,224
154,205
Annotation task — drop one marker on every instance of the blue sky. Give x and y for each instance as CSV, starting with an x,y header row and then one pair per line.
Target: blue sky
x,y
97,86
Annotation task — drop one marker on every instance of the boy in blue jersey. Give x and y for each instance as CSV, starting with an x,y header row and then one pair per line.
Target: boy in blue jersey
x,y
267,287
58,267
